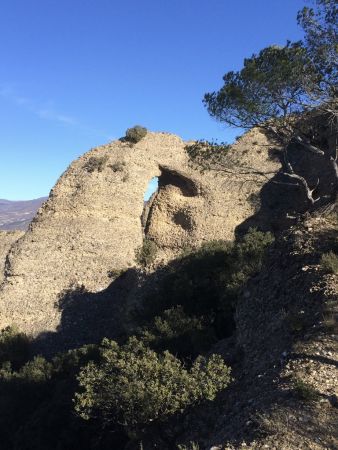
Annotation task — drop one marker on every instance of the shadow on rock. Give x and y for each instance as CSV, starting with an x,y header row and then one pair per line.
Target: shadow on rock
x,y
88,317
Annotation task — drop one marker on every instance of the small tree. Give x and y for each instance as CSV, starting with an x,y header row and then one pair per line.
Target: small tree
x,y
135,134
146,254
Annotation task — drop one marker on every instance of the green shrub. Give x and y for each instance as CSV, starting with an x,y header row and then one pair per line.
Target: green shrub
x,y
96,163
14,347
38,370
134,386
329,262
206,282
193,281
36,408
146,254
135,134
118,166
180,334
305,391
251,249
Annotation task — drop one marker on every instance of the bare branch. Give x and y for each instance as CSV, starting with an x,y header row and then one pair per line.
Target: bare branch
x,y
303,182
290,173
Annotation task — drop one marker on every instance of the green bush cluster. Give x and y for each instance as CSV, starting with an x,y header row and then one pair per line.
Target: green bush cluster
x,y
125,389
205,285
181,334
36,408
134,386
329,262
96,163
118,166
146,254
14,347
135,134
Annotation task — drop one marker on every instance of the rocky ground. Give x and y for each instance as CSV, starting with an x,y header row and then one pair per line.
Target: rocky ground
x,y
284,356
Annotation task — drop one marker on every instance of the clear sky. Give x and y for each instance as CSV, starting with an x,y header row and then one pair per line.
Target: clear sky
x,y
75,74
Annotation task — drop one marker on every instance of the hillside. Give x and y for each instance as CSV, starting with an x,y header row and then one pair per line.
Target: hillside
x,y
286,396
217,335
17,215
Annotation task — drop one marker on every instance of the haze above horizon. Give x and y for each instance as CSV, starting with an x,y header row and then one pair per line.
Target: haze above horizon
x,y
75,75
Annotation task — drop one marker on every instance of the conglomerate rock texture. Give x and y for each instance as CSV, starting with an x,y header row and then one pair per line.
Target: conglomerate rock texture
x,y
91,223
7,239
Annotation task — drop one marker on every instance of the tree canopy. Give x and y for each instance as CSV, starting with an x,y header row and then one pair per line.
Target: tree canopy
x,y
283,81
280,83
270,85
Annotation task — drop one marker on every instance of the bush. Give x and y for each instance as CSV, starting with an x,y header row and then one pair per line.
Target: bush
x,y
146,254
36,408
96,163
329,262
251,249
135,134
14,347
180,334
118,166
134,386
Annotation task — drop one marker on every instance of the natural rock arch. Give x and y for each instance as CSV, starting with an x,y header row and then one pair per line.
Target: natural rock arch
x,y
91,223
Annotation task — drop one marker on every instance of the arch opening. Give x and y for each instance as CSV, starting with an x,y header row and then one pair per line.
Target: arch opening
x,y
151,189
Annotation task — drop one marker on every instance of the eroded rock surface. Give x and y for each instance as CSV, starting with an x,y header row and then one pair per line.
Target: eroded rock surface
x,y
91,223
7,239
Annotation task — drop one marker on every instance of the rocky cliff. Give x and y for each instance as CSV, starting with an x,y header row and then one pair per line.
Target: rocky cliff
x,y
91,223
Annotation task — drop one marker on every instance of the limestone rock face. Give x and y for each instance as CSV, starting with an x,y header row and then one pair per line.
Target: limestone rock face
x,y
7,239
91,223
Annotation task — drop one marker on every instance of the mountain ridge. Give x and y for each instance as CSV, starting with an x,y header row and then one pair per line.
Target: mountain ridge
x,y
17,214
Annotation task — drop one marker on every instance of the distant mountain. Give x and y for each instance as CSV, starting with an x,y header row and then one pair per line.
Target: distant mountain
x,y
16,215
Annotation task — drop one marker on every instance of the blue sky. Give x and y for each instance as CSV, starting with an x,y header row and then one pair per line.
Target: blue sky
x,y
75,74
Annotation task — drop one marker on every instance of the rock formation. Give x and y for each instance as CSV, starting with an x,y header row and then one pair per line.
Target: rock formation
x,y
7,239
91,223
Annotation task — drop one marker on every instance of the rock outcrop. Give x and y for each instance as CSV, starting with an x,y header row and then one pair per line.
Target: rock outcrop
x,y
91,223
7,239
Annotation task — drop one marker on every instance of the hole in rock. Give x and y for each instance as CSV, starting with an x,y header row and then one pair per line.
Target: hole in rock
x,y
151,189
